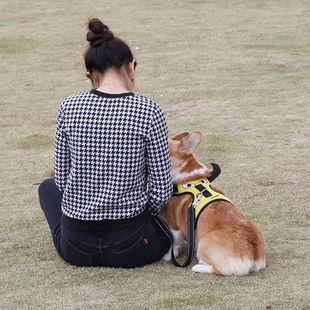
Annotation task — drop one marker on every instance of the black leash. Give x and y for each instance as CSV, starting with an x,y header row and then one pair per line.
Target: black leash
x,y
190,237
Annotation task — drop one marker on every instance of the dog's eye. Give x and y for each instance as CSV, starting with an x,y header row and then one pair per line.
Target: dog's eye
x,y
204,181
188,185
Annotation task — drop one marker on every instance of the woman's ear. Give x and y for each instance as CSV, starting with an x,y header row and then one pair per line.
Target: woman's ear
x,y
190,142
131,68
94,77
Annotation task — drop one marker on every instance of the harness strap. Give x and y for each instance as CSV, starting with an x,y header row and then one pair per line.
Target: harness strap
x,y
202,192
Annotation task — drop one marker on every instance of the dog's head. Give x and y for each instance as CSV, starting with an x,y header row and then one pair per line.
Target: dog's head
x,y
183,161
182,147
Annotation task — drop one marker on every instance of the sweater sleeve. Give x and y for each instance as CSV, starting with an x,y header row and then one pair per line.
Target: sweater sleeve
x,y
62,154
158,163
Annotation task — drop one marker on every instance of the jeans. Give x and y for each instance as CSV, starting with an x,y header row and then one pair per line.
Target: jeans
x,y
141,241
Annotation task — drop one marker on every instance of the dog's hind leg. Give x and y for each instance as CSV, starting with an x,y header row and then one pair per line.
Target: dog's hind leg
x,y
205,265
203,268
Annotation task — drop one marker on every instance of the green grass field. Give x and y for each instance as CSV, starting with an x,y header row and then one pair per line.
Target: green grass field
x,y
237,70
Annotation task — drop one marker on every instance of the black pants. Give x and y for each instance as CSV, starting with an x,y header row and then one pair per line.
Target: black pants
x,y
123,243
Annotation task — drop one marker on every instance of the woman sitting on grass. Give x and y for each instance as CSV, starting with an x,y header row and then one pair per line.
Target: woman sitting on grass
x,y
109,143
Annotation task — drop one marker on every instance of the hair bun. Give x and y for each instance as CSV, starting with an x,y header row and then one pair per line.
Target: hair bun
x,y
98,32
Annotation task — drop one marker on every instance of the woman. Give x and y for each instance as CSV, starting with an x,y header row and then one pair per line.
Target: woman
x,y
112,166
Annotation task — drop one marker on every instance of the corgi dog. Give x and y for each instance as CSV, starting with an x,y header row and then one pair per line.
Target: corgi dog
x,y
227,243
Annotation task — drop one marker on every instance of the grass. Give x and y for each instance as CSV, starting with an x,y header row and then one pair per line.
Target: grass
x,y
35,141
237,70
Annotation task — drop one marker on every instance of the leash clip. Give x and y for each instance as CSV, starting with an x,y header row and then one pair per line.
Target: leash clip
x,y
195,203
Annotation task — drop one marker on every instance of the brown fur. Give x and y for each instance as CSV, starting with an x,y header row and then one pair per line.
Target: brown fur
x,y
225,239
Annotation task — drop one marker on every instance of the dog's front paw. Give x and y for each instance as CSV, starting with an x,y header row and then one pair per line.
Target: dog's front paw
x,y
167,256
176,252
178,239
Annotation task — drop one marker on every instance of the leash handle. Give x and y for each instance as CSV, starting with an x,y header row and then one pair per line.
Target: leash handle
x,y
190,237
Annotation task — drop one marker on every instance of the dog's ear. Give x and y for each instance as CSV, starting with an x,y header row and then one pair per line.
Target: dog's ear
x,y
190,142
180,136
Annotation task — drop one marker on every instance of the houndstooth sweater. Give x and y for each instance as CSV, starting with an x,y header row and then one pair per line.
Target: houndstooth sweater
x,y
106,149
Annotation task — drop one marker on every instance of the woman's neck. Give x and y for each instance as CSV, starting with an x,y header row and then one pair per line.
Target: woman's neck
x,y
113,82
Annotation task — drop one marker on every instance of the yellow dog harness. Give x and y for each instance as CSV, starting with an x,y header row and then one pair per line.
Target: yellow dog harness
x,y
202,193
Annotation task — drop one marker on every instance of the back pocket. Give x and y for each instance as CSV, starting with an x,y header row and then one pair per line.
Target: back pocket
x,y
77,256
136,255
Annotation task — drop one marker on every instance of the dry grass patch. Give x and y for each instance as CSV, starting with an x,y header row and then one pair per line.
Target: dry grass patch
x,y
35,141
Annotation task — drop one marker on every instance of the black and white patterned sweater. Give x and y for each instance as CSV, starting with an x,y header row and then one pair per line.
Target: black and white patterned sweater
x,y
107,148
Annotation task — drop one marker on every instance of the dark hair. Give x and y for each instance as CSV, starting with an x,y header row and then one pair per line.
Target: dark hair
x,y
105,50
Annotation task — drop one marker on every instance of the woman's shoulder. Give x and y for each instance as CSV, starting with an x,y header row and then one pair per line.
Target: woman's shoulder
x,y
147,102
75,101
84,95
144,99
